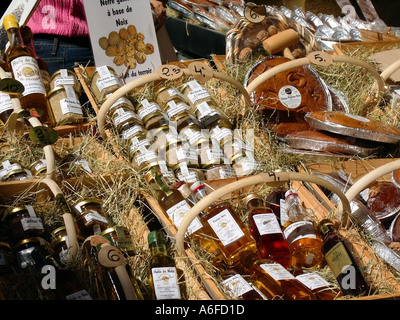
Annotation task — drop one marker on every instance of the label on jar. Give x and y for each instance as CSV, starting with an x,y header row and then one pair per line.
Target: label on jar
x,y
32,224
148,108
123,116
107,79
79,295
8,167
226,172
93,215
5,102
148,156
192,135
165,281
277,271
312,280
70,104
236,286
220,133
175,109
198,92
190,177
177,213
132,131
26,70
136,143
299,230
213,154
225,227
337,258
267,223
186,154
64,79
290,97
205,109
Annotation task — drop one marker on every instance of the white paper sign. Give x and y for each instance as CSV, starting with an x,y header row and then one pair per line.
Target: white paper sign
x,y
123,36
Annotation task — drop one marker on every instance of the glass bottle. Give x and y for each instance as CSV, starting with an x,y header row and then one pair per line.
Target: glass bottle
x,y
25,69
301,235
6,105
341,261
223,222
321,288
163,276
265,228
27,37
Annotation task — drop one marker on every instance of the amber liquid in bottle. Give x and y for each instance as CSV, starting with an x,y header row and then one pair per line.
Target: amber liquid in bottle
x,y
299,230
232,236
241,287
265,228
342,263
25,69
321,288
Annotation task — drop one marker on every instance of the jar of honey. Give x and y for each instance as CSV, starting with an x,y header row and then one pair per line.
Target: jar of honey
x,y
121,238
91,222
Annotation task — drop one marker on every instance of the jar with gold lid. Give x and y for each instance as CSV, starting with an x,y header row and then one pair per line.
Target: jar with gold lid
x,y
91,222
168,93
24,248
122,102
6,258
120,237
104,81
134,144
88,204
221,134
123,115
38,167
149,112
181,151
190,129
188,174
244,164
60,244
65,77
144,158
73,165
23,222
175,110
65,105
13,171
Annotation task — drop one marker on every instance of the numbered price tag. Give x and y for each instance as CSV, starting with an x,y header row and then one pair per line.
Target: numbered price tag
x,y
169,72
111,257
11,86
254,13
43,135
320,58
201,71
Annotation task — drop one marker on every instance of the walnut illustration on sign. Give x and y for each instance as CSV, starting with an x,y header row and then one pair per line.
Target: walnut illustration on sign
x,y
127,46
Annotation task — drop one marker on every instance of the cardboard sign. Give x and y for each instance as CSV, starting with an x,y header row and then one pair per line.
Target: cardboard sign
x,y
123,36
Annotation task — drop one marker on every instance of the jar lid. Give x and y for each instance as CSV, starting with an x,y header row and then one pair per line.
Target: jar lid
x,y
250,197
97,71
18,209
55,90
58,72
8,175
86,201
5,244
55,231
29,240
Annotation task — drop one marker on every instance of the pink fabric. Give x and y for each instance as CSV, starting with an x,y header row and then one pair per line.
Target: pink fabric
x,y
59,17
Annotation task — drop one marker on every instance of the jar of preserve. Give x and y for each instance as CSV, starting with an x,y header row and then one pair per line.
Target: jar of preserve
x,y
22,222
243,164
60,245
73,165
65,105
188,174
181,152
91,222
149,112
38,167
134,144
12,171
122,102
167,94
221,134
121,238
193,133
144,158
121,116
24,248
160,130
104,81
65,77
88,204
6,258
175,110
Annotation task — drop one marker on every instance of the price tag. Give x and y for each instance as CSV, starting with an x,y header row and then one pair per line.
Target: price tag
x,y
11,86
111,257
201,71
320,58
43,135
255,13
169,72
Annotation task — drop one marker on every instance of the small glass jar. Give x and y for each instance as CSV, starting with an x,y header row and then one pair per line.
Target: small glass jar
x,y
60,245
243,164
144,158
188,174
88,204
221,134
134,144
73,165
160,130
181,152
24,223
24,248
214,171
65,105
149,112
91,222
210,152
103,82
167,94
38,167
13,172
6,258
65,77
194,133
235,146
121,116
174,110
121,238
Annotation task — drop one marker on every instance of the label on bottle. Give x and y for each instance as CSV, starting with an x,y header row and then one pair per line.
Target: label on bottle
x,y
165,282
26,70
79,295
267,223
312,280
5,102
299,230
177,213
236,286
338,258
277,271
225,227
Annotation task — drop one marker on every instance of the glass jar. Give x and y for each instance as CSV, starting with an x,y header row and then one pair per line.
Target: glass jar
x,y
88,204
174,110
38,167
121,116
121,102
60,245
91,222
65,105
181,152
121,238
134,144
24,248
6,258
12,171
73,165
188,174
23,223
65,77
144,158
103,82
167,94
243,164
192,132
221,134
149,112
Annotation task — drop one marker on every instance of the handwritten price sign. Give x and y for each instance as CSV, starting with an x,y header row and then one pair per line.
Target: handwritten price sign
x,y
200,71
320,58
169,72
254,13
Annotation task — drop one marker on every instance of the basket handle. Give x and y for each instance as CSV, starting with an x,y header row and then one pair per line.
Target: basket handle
x,y
155,77
309,60
385,74
273,179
